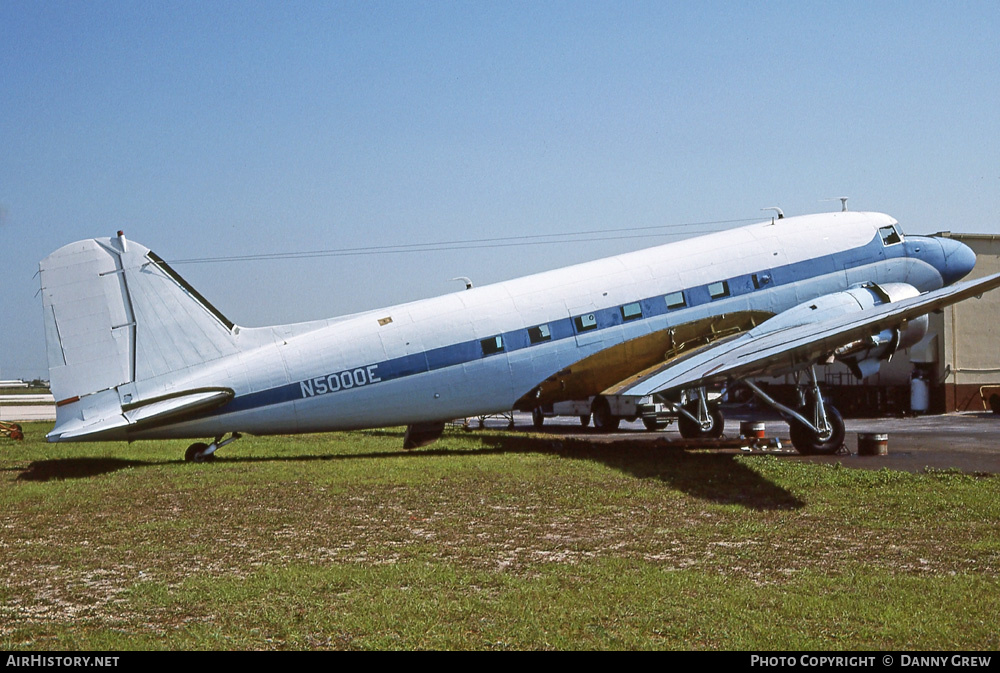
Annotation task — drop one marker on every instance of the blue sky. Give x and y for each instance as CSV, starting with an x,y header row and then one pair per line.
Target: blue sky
x,y
216,129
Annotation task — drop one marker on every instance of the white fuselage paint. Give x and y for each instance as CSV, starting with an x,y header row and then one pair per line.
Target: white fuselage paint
x,y
331,375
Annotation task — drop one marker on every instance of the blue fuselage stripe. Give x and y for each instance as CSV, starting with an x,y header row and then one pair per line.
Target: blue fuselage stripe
x,y
565,328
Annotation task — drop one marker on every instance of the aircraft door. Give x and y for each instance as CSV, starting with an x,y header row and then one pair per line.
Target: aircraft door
x,y
586,320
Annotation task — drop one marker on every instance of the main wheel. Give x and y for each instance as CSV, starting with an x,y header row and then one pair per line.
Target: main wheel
x,y
537,417
585,420
604,420
692,430
196,453
807,442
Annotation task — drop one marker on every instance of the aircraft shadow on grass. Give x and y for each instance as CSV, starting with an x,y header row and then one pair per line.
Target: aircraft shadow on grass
x,y
80,468
715,477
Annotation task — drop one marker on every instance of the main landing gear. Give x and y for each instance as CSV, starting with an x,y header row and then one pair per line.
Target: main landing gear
x,y
700,420
199,452
604,419
815,428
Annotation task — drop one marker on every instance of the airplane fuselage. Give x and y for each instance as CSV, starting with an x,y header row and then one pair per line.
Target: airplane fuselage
x,y
483,350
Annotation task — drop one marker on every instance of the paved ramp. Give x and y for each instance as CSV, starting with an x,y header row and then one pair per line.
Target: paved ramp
x,y
24,408
969,442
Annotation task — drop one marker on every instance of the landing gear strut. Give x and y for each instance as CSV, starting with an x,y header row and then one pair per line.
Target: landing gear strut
x,y
199,452
815,428
700,420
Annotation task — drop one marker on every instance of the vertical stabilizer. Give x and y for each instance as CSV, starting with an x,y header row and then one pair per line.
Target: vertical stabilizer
x,y
116,314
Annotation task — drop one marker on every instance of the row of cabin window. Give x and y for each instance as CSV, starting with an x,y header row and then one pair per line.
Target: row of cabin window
x,y
629,312
540,333
536,335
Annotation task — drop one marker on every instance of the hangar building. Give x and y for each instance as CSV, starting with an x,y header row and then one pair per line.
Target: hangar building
x,y
967,368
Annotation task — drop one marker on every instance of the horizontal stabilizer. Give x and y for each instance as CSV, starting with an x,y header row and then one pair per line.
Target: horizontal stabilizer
x,y
100,429
104,419
175,407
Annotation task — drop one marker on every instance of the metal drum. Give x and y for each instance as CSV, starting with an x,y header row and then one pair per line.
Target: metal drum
x,y
873,444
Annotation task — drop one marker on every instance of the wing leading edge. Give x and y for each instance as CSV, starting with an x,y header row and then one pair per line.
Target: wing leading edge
x,y
764,350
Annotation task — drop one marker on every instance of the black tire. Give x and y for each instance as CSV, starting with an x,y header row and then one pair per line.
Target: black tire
x,y
537,418
585,420
654,425
807,443
604,420
692,430
194,453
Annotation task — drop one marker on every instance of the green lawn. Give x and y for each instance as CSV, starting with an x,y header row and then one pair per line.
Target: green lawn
x,y
485,540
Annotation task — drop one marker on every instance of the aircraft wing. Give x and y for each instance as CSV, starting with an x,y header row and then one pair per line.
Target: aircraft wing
x,y
764,351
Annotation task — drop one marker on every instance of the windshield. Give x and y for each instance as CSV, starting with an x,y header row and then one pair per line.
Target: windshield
x,y
890,235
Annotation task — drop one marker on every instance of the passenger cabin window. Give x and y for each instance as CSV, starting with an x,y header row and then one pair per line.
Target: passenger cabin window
x,y
539,334
585,322
719,290
492,345
890,236
631,311
675,300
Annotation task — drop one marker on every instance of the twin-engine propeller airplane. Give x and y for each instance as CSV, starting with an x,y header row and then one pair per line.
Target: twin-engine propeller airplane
x,y
135,352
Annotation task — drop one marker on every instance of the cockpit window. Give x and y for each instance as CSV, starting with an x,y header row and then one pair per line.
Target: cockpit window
x,y
890,235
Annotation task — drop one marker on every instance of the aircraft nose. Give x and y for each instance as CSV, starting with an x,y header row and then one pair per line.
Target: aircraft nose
x,y
958,260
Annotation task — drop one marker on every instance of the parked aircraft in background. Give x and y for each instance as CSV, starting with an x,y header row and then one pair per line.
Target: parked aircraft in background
x,y
136,353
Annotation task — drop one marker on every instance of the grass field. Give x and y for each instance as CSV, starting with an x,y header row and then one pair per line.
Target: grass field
x,y
486,540
25,391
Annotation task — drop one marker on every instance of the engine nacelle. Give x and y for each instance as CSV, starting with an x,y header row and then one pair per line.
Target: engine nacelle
x,y
863,356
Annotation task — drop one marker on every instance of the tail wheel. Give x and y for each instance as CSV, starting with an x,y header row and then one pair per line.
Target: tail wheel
x,y
537,417
604,420
693,430
807,442
196,453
